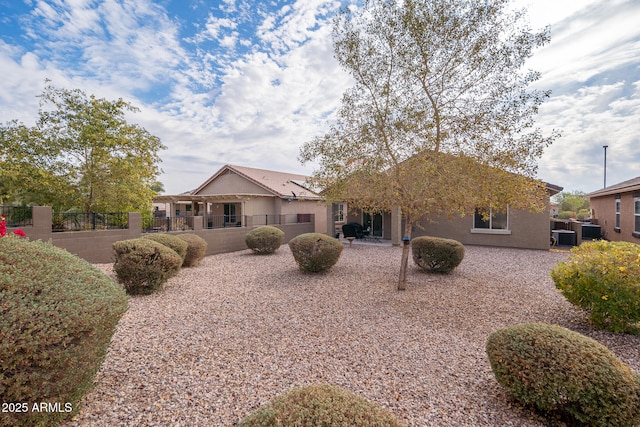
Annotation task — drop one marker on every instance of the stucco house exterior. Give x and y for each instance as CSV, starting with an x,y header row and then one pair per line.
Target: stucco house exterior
x,y
513,228
616,209
239,196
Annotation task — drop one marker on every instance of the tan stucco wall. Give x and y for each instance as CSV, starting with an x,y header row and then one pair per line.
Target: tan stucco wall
x,y
528,230
231,183
319,209
260,206
603,209
96,246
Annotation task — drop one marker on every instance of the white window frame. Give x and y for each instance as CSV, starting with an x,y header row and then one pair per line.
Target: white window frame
x,y
617,225
491,230
636,214
340,212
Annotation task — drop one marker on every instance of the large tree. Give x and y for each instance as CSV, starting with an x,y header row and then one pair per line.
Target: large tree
x,y
82,153
440,120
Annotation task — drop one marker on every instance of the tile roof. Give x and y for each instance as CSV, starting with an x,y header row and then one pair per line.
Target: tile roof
x,y
280,184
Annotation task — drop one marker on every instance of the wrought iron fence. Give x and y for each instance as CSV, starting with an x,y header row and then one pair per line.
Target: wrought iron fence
x,y
173,223
17,216
280,219
84,221
184,223
223,221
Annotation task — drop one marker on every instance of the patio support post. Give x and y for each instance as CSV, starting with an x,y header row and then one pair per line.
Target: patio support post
x,y
331,221
205,216
396,226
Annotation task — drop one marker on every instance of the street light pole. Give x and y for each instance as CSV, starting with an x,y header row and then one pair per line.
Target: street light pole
x,y
605,165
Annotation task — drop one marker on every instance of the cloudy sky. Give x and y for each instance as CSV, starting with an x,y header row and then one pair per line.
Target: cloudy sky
x,y
247,82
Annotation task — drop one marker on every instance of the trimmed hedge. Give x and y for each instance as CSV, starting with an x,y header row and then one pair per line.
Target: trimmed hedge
x,y
555,369
602,278
264,240
196,249
58,316
315,252
435,254
170,241
320,405
143,265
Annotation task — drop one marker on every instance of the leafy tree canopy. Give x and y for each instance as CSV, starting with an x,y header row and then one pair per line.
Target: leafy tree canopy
x,y
81,154
572,201
441,118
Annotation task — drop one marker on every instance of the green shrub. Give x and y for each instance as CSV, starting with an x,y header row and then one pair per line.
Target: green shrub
x,y
170,241
320,405
143,265
436,254
555,369
196,249
315,252
58,314
264,240
602,278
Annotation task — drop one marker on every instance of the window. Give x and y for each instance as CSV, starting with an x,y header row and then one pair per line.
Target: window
x,y
496,223
636,230
229,212
338,212
617,228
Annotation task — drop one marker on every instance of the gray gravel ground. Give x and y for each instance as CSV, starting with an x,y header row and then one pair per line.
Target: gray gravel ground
x,y
223,338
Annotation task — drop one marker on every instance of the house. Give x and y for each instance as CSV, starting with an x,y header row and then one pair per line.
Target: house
x,y
238,196
504,226
616,209
510,228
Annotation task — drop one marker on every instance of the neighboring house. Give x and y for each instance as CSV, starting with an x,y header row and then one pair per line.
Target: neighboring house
x,y
512,228
241,196
617,210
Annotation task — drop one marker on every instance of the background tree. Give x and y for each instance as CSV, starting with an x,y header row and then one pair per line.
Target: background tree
x,y
82,154
441,117
573,204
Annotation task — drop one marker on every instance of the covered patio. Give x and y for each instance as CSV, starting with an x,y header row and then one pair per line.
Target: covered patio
x,y
218,211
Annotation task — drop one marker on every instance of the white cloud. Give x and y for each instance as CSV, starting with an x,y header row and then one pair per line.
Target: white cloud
x,y
255,83
590,118
598,37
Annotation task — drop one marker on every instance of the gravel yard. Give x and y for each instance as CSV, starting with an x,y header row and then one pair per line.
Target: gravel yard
x,y
225,337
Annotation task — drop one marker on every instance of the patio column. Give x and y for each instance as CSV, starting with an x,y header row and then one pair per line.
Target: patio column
x,y
396,226
331,221
205,221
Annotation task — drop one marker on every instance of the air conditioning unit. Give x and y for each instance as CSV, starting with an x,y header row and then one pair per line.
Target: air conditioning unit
x,y
564,237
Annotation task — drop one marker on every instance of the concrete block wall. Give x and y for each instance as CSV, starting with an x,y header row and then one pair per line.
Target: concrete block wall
x,y
96,246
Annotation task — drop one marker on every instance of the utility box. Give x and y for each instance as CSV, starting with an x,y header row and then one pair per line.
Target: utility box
x,y
564,237
591,232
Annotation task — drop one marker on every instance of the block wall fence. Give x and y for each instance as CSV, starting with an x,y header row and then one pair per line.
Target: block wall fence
x,y
95,246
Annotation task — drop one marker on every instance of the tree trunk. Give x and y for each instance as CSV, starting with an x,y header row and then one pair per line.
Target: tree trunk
x,y
404,262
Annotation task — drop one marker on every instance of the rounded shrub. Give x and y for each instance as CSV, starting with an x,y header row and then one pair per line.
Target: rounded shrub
x,y
320,405
170,241
58,314
435,254
602,278
264,240
143,265
555,369
315,252
196,249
